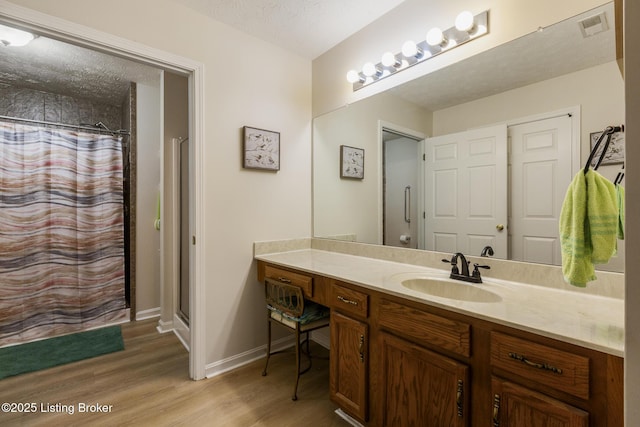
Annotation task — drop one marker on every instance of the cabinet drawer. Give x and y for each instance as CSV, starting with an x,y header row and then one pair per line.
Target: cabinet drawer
x,y
426,327
546,365
349,301
297,279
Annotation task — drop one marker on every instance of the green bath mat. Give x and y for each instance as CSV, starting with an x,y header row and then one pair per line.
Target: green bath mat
x,y
33,356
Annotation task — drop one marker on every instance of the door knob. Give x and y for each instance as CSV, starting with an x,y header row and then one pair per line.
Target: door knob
x,y
500,227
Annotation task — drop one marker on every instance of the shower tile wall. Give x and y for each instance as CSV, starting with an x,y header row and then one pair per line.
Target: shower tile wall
x,y
51,107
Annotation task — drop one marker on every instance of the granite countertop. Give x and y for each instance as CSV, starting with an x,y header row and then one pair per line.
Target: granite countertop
x,y
587,320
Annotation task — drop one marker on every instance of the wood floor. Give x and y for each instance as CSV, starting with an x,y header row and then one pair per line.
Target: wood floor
x,y
148,384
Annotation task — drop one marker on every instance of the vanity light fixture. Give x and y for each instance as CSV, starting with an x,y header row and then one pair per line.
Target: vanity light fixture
x,y
467,27
13,37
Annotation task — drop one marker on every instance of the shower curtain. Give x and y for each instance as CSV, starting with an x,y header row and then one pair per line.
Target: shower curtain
x,y
61,232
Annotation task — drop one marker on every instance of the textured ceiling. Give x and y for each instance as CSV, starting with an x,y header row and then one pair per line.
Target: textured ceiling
x,y
557,50
306,27
62,68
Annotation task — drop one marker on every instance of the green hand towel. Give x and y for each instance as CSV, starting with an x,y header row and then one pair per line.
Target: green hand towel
x,y
577,267
589,222
602,214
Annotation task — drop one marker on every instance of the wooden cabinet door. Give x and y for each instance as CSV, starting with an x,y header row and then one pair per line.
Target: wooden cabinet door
x,y
420,387
349,365
517,406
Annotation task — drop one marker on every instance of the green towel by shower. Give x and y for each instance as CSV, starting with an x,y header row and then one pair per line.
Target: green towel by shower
x,y
588,226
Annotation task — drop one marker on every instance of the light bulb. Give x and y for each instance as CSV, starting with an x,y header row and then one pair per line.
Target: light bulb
x,y
411,50
353,76
389,60
370,70
435,37
465,21
14,37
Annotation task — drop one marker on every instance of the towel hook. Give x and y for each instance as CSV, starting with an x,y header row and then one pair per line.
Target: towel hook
x,y
620,176
608,132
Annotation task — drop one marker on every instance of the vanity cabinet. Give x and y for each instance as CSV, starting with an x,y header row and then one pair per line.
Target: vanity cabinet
x,y
536,384
517,406
349,353
420,387
348,383
396,361
547,366
303,281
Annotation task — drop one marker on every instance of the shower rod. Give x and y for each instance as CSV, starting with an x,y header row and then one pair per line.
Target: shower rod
x,y
98,127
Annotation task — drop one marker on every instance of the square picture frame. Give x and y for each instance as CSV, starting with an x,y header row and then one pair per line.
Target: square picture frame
x,y
261,149
615,152
351,162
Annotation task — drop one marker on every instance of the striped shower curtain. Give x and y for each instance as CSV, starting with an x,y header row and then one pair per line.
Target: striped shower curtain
x,y
61,232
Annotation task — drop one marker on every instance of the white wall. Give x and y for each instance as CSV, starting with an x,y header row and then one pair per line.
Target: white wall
x,y
632,230
509,19
347,206
599,91
148,118
247,82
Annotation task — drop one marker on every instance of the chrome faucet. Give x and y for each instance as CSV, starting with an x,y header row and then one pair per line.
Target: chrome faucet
x,y
474,277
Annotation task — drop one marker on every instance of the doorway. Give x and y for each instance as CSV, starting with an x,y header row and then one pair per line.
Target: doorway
x,y
400,180
49,26
183,220
401,187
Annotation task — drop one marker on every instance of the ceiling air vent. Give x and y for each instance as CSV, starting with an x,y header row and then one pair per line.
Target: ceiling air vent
x,y
593,25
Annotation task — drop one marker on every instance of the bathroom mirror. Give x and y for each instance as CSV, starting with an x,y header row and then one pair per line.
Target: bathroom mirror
x,y
567,69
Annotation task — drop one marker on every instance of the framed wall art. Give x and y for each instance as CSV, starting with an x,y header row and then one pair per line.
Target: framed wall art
x,y
351,162
261,149
615,152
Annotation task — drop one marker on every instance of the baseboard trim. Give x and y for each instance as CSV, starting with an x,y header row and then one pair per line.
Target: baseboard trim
x,y
148,314
181,330
164,327
348,418
233,362
321,338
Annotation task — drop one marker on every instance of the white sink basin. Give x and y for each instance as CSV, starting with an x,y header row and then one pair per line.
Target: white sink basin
x,y
451,289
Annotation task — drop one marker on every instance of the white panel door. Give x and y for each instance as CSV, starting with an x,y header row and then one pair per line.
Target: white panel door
x,y
466,192
540,173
